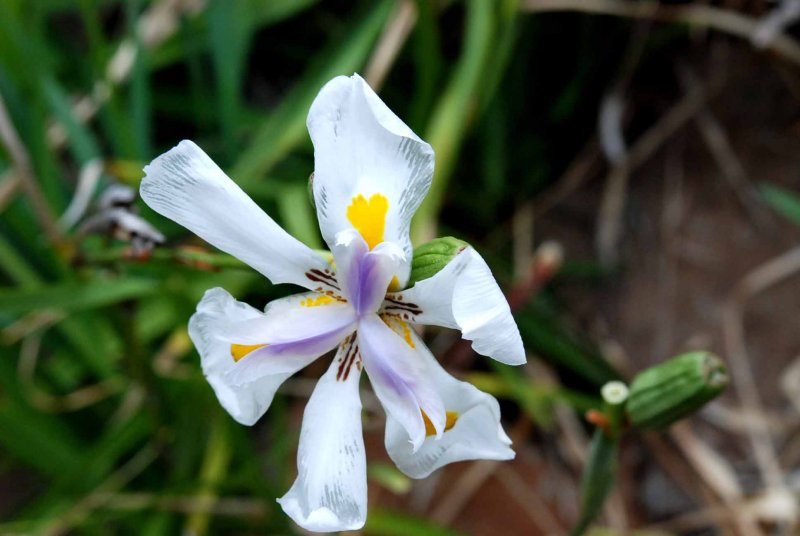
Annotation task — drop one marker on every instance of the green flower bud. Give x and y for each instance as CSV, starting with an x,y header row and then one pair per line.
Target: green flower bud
x,y
662,394
431,257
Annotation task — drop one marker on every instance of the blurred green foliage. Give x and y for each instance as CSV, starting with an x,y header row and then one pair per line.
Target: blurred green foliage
x,y
106,423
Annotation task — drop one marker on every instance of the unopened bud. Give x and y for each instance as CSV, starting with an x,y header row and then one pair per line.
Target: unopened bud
x,y
431,257
665,393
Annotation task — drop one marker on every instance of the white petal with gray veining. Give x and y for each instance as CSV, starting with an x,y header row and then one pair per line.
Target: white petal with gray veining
x,y
186,186
362,148
330,492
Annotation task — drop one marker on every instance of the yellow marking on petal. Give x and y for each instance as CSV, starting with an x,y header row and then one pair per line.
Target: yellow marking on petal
x,y
369,217
407,334
394,285
450,418
316,302
399,327
238,351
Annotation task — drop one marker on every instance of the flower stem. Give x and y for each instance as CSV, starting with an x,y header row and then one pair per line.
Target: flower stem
x,y
215,464
601,465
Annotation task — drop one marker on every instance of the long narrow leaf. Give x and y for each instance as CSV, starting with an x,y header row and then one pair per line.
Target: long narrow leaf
x,y
72,297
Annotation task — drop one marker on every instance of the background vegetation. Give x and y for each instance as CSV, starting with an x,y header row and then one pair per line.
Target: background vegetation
x,y
627,133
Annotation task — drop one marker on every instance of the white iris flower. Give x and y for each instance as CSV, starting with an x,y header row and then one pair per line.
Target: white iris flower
x,y
371,173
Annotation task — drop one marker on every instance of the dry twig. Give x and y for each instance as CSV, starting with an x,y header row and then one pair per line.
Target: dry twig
x,y
755,282
695,14
472,479
610,214
23,170
156,25
719,145
395,33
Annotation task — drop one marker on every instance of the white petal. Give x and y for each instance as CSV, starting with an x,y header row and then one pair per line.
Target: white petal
x,y
362,148
330,493
476,435
295,331
399,380
216,313
464,295
185,185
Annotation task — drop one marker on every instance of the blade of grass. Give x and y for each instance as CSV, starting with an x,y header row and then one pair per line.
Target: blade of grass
x,y
454,110
230,33
388,523
785,202
261,13
298,216
427,52
70,297
215,465
15,267
506,35
139,85
284,129
41,441
83,145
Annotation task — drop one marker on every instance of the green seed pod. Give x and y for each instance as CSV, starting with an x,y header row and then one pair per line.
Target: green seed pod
x,y
662,394
431,257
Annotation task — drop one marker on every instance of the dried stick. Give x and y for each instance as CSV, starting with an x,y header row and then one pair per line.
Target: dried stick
x,y
613,202
758,280
391,41
471,480
683,474
575,175
530,501
24,174
719,145
155,26
700,15
718,475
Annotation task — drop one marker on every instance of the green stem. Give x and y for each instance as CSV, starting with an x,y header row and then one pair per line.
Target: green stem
x,y
215,464
173,255
600,472
598,478
192,257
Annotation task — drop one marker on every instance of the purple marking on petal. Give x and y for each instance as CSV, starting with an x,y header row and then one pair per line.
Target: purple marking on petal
x,y
356,281
390,377
365,275
287,356
398,377
372,286
310,345
349,252
377,270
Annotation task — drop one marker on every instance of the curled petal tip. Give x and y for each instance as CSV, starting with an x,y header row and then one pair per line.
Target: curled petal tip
x,y
320,520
